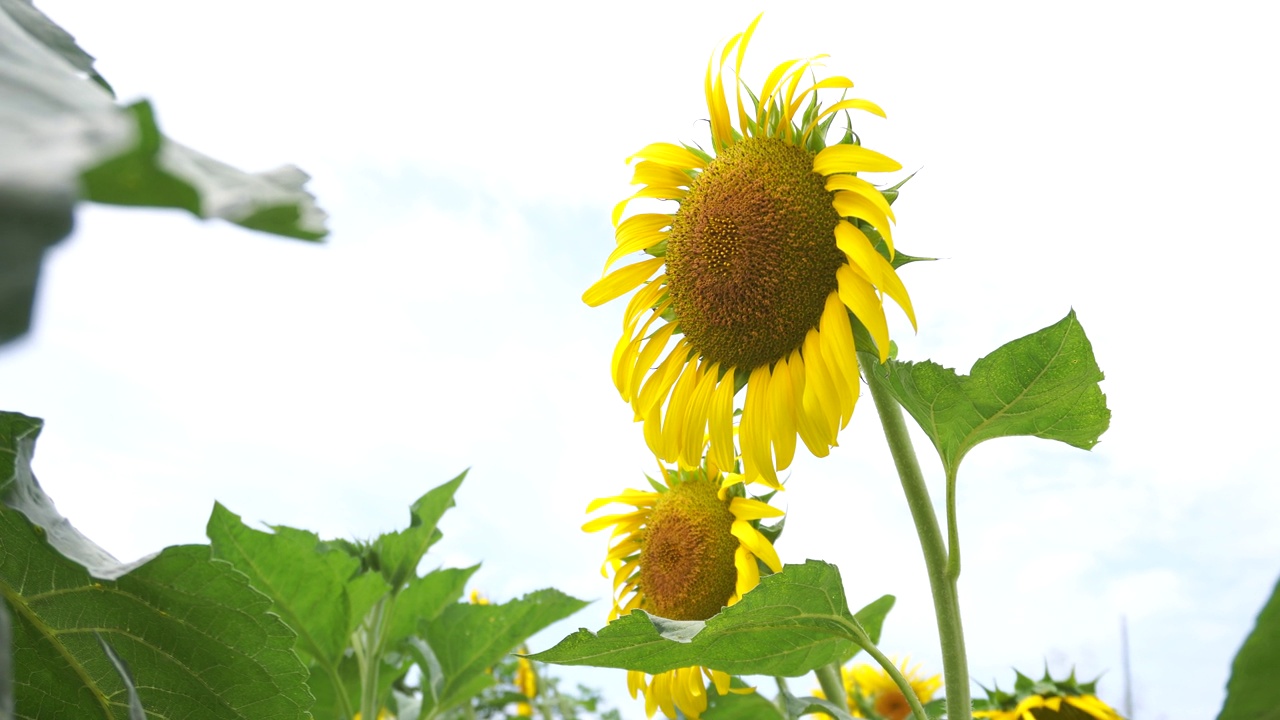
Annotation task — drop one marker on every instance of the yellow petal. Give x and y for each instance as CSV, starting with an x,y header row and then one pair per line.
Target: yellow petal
x,y
838,338
821,399
652,173
620,281
857,247
720,422
844,158
646,299
782,413
695,421
673,427
644,360
601,523
852,104
659,383
850,204
670,155
635,498
812,432
754,430
758,544
737,72
748,509
748,571
858,295
855,184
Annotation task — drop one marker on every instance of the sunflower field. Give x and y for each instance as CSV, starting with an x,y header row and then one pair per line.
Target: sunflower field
x,y
773,483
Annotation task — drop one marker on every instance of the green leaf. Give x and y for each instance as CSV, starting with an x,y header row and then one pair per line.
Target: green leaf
x,y
201,643
1042,385
469,639
734,706
400,552
425,598
1252,691
63,138
6,663
792,622
307,586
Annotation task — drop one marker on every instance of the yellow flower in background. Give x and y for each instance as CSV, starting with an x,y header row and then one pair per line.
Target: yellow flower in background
x,y
477,598
881,694
1039,707
684,551
1045,699
754,275
526,683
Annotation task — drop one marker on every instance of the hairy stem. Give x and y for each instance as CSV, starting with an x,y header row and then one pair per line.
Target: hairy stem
x,y
946,604
832,682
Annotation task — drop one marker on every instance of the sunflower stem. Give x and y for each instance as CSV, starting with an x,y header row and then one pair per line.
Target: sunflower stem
x,y
831,679
907,691
946,603
953,529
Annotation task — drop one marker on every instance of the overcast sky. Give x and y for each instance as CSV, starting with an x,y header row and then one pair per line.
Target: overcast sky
x,y
1115,158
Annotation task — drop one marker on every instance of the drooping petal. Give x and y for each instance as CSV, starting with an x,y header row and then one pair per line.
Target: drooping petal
x,y
855,184
844,158
670,155
782,413
812,429
635,498
630,381
820,395
837,337
695,435
673,425
858,295
857,247
748,571
754,428
850,204
758,544
651,173
748,509
620,282
720,421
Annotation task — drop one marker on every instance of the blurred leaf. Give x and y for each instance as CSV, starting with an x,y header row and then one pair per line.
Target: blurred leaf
x,y
1042,385
307,587
792,622
799,707
469,639
199,641
41,28
400,552
63,138
1253,692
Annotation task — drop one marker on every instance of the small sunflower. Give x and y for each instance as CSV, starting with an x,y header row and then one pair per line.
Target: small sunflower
x,y
686,550
772,246
873,694
1046,699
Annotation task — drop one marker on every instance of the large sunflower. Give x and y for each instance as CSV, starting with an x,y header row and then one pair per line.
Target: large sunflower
x,y
685,550
772,246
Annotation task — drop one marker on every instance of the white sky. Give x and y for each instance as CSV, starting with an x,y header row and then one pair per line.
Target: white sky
x,y
1114,158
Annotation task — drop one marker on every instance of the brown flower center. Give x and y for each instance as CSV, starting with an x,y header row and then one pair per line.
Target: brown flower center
x,y
686,565
751,256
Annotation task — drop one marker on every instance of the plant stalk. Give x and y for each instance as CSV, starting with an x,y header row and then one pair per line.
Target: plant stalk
x,y
946,604
832,681
907,691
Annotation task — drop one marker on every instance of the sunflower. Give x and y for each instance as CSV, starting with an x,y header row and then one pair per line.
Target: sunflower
x,y
872,693
772,246
1046,699
686,550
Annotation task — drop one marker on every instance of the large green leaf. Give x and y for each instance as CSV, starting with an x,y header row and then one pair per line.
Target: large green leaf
x,y
1253,692
200,642
399,552
63,138
1043,385
425,598
466,640
307,587
791,623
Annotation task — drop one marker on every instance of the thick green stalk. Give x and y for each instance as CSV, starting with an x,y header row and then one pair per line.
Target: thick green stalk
x,y
832,681
946,604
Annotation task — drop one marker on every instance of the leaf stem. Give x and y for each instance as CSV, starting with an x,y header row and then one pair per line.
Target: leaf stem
x,y
953,529
907,691
832,681
946,604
